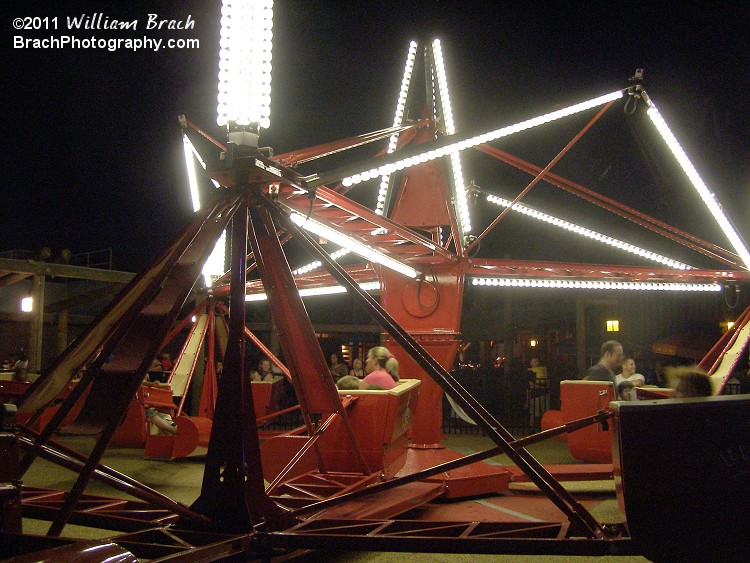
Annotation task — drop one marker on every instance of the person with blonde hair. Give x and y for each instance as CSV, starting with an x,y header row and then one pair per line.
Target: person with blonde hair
x,y
381,368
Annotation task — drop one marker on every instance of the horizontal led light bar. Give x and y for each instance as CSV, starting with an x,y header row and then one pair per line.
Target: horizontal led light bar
x,y
583,231
708,198
366,252
578,284
317,264
433,154
313,291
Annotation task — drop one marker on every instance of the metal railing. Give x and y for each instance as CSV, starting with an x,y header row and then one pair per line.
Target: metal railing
x,y
514,399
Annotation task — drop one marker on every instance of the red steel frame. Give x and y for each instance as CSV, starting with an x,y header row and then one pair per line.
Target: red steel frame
x,y
233,496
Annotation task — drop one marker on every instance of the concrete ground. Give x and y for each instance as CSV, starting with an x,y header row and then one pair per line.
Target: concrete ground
x,y
181,480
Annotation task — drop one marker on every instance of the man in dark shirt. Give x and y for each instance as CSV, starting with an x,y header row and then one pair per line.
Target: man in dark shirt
x,y
611,357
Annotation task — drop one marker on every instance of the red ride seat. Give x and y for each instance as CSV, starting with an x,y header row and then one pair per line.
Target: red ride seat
x,y
579,399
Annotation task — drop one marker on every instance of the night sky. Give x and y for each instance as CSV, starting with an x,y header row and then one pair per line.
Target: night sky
x,y
92,154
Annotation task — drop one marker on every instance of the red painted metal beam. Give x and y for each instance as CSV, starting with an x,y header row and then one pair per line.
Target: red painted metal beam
x,y
539,176
655,225
233,491
319,151
609,272
575,512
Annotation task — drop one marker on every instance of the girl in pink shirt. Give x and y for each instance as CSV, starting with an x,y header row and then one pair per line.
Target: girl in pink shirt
x,y
381,368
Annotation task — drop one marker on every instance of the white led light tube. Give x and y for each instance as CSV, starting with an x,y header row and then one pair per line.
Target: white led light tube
x,y
610,285
695,179
192,178
244,95
313,291
433,154
397,121
366,252
214,266
461,201
583,231
317,264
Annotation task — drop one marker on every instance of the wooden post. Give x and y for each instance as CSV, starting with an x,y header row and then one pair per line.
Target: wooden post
x,y
37,325
62,331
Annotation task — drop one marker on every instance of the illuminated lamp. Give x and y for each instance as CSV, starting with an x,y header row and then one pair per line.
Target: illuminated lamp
x,y
244,93
613,326
27,304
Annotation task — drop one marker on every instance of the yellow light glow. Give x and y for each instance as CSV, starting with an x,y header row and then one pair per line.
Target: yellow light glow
x,y
532,343
613,326
27,304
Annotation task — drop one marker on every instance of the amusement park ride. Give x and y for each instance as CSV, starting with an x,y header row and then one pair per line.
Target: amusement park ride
x,y
361,459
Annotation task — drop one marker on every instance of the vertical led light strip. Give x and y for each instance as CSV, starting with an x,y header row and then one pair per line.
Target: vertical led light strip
x,y
583,231
459,145
692,174
214,266
460,200
245,62
192,178
397,121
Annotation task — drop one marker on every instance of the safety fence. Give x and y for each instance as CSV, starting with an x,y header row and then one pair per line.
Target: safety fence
x,y
515,400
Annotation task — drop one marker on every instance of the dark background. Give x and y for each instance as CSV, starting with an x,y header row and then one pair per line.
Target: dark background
x,y
92,155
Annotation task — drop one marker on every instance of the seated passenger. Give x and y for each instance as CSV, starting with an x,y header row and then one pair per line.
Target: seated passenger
x,y
628,373
162,421
21,367
357,370
351,383
348,383
624,389
338,370
690,381
166,361
156,371
381,368
264,370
